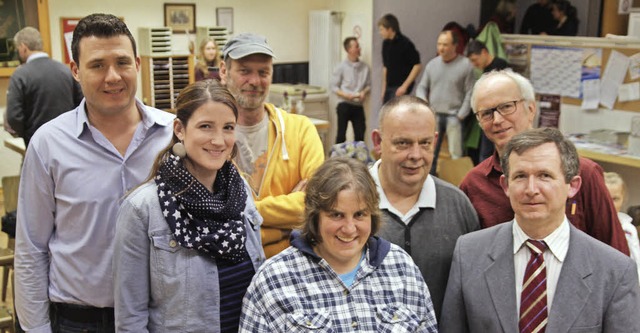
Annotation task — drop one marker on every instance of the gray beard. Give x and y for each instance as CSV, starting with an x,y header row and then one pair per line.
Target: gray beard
x,y
250,103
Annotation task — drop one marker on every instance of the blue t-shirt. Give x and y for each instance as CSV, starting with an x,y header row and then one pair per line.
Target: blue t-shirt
x,y
348,278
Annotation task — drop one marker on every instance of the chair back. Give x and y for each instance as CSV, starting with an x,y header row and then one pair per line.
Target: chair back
x,y
453,171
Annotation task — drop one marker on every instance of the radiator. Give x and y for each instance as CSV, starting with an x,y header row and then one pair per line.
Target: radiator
x,y
325,45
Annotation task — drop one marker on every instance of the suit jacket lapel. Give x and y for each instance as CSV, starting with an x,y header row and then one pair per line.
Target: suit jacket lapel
x,y
500,279
573,287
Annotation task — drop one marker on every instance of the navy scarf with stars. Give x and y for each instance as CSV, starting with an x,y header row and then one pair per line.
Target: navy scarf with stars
x,y
211,223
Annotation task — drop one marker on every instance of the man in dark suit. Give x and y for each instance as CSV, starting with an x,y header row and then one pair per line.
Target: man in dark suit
x,y
538,272
39,90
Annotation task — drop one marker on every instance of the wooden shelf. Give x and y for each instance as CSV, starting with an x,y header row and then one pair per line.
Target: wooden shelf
x,y
163,77
627,160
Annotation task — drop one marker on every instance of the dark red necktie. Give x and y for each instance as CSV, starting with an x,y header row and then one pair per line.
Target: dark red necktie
x,y
533,300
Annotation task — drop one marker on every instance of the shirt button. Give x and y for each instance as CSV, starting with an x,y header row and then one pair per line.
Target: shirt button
x,y
309,323
173,243
354,324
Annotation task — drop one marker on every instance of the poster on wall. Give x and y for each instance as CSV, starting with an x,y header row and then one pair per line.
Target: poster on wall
x,y
556,70
224,18
67,25
624,7
549,110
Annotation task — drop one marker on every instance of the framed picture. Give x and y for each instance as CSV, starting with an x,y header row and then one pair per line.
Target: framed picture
x,y
181,17
224,18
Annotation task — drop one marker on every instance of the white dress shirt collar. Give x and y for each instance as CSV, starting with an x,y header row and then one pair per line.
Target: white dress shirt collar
x,y
557,241
426,199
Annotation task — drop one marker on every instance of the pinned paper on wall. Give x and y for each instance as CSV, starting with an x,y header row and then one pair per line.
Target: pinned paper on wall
x,y
590,78
612,78
629,92
590,94
634,66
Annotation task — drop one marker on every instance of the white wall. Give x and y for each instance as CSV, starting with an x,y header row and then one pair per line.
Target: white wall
x,y
358,15
283,22
288,37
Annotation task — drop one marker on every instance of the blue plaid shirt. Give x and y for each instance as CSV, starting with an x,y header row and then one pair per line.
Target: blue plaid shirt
x,y
297,290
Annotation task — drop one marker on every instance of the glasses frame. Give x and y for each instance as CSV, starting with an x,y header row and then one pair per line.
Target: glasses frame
x,y
497,109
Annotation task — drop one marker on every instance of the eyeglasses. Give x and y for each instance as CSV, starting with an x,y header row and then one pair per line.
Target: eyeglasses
x,y
503,109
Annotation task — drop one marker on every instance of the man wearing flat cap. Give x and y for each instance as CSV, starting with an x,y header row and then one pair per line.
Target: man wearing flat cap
x,y
277,151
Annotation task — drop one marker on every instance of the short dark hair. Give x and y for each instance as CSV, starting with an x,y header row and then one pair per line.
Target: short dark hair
x,y
347,41
520,143
390,21
475,47
99,25
333,176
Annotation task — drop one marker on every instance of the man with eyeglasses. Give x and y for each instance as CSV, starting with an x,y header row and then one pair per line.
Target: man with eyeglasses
x,y
504,104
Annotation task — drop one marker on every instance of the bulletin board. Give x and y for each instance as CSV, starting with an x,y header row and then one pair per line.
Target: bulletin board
x,y
521,46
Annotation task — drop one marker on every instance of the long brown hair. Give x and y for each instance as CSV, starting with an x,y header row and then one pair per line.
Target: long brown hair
x,y
189,100
202,64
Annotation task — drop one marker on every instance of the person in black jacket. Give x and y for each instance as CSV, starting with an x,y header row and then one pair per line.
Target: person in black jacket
x,y
400,59
566,17
40,89
537,19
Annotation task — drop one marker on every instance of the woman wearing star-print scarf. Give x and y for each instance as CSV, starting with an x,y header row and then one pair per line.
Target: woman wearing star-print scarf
x,y
188,239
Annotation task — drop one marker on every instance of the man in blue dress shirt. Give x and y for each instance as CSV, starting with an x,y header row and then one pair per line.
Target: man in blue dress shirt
x,y
77,168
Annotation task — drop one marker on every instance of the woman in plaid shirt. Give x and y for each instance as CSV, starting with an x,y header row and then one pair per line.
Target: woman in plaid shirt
x,y
337,276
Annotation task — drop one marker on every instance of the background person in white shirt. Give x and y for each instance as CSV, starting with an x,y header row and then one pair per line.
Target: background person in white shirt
x,y
618,191
351,82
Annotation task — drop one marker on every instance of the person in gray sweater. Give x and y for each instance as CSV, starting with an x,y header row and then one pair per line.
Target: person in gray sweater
x,y
446,84
423,214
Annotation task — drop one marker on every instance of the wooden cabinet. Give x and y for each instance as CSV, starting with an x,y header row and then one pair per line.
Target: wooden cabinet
x,y
163,77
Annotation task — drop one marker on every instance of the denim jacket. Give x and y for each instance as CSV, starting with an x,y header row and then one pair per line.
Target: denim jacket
x,y
159,285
